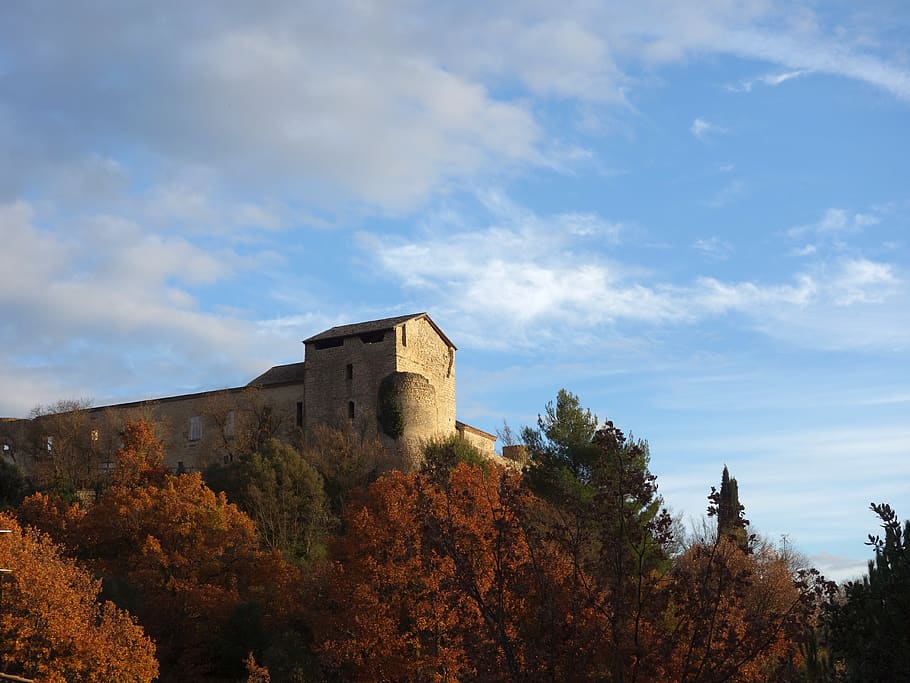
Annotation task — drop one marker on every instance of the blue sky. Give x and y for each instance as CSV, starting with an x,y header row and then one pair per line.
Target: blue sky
x,y
693,215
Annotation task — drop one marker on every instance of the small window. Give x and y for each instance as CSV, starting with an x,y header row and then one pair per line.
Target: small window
x,y
350,410
95,436
49,444
300,413
329,343
372,337
404,335
349,371
229,424
195,428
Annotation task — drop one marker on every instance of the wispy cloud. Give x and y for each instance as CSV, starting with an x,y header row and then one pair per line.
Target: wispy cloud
x,y
713,248
703,129
770,79
527,280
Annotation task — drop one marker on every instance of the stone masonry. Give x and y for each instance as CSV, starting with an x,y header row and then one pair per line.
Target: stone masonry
x,y
394,378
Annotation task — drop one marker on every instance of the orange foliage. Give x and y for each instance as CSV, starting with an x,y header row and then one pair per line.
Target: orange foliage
x,y
53,516
51,625
735,616
140,459
193,558
437,581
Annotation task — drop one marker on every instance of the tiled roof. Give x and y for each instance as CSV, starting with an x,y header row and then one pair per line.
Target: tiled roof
x,y
280,374
374,326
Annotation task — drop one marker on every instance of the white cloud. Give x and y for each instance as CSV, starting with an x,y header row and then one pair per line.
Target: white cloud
x,y
713,248
527,276
703,129
77,307
770,79
383,104
777,79
833,226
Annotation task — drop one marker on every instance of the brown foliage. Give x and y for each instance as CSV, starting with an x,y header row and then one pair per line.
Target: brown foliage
x,y
193,558
437,581
140,458
52,626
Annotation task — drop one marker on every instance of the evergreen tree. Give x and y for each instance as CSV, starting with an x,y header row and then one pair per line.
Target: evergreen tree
x,y
731,521
869,630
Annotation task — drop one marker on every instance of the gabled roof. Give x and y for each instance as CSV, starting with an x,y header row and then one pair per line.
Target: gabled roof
x,y
280,374
342,331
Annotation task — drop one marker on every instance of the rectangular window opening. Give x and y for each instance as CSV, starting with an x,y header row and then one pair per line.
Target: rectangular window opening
x,y
372,337
349,371
300,413
350,410
195,428
329,343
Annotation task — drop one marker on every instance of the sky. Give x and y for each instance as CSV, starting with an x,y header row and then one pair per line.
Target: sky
x,y
693,215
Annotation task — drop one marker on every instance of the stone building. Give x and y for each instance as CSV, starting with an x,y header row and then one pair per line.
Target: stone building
x,y
394,378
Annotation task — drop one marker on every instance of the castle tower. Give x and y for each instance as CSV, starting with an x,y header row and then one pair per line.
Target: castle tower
x,y
397,373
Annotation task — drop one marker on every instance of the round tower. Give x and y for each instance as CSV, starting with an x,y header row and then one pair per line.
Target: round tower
x,y
407,415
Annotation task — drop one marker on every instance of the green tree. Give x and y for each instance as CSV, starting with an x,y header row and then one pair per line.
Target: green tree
x,y
440,457
607,516
284,495
869,629
561,449
725,505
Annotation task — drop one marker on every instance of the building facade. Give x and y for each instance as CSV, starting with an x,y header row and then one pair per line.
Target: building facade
x,y
393,378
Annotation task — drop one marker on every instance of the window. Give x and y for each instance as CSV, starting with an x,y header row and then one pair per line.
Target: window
x,y
350,410
49,444
229,424
404,335
328,343
349,371
372,337
95,436
300,413
195,428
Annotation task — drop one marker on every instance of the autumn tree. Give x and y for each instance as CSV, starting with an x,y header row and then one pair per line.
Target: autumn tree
x,y
868,626
62,439
346,458
608,517
438,578
184,560
140,458
52,625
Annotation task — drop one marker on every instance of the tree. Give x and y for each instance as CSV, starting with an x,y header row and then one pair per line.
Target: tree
x,y
734,615
561,447
608,518
731,521
184,560
868,629
62,439
140,458
284,495
438,578
346,459
52,626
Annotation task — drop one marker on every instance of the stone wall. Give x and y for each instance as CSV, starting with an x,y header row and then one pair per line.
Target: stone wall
x,y
342,381
421,350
